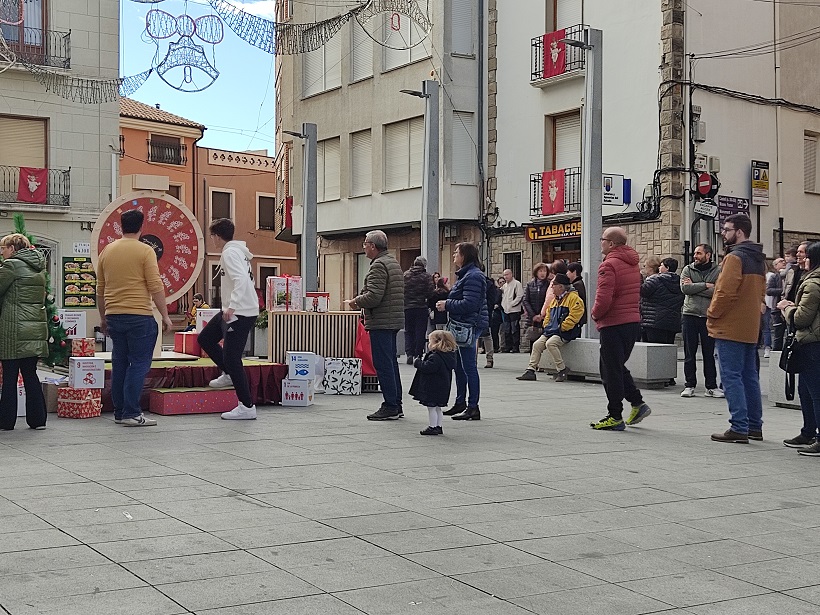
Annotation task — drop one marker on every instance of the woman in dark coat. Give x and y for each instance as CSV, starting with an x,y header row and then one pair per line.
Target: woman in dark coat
x,y
23,329
661,303
442,291
535,293
467,304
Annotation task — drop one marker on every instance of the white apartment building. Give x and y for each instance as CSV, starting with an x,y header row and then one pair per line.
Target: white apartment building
x,y
655,124
371,136
75,142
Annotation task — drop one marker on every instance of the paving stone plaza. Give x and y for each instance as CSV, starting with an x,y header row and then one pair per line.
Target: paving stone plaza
x,y
318,511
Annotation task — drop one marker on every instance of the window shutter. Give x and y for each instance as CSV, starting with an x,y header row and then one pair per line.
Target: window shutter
x,y
421,43
362,52
809,163
333,62
567,13
332,170
361,163
313,72
23,143
396,162
320,171
416,156
396,38
464,153
568,141
461,20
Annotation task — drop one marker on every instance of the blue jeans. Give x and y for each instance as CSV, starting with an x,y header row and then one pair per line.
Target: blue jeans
x,y
467,374
134,337
808,387
741,384
383,349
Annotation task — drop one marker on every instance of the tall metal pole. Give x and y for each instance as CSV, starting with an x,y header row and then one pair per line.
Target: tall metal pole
x,y
430,195
592,170
310,263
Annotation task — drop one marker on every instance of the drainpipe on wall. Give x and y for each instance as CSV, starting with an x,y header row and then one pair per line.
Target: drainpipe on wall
x,y
777,118
481,121
193,196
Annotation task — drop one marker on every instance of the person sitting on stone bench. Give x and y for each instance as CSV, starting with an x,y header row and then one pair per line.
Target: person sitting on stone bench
x,y
566,312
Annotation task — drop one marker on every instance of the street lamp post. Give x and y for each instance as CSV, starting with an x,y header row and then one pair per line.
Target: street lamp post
x,y
310,262
592,169
430,188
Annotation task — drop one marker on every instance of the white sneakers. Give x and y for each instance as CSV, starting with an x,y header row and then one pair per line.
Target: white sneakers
x,y
767,352
222,382
714,393
688,392
138,421
240,413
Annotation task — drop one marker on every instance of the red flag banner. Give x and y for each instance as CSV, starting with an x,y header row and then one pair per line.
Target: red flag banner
x,y
552,192
555,54
32,186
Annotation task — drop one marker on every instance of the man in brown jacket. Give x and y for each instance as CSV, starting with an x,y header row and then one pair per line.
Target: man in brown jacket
x,y
382,299
733,319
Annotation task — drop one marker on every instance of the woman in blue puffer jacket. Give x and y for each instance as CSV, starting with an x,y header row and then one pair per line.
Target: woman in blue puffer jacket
x,y
467,304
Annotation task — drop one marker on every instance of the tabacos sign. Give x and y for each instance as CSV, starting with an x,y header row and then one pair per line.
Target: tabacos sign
x,y
556,230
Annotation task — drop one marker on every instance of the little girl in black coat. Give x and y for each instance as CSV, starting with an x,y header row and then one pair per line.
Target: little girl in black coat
x,y
434,377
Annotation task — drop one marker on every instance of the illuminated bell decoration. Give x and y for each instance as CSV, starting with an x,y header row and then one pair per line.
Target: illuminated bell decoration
x,y
189,57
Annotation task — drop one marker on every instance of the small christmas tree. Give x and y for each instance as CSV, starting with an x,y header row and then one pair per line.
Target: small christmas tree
x,y
58,343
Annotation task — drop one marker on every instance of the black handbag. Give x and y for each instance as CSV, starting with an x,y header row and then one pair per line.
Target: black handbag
x,y
790,360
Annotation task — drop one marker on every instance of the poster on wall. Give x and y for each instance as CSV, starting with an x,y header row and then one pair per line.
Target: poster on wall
x,y
79,282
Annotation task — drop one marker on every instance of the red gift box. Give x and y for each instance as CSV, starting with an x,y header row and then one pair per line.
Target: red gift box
x,y
78,403
83,347
186,343
192,401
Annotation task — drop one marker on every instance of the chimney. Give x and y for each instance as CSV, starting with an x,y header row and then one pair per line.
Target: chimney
x,y
156,105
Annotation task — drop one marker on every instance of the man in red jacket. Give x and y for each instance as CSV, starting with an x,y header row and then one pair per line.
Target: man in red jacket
x,y
618,317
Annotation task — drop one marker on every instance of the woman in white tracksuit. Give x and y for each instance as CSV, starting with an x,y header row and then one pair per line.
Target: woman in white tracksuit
x,y
240,307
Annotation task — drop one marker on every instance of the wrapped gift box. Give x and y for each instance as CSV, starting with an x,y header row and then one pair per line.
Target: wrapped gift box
x,y
301,365
75,403
343,377
283,294
86,372
186,343
83,347
74,323
203,316
192,401
316,302
297,392
50,392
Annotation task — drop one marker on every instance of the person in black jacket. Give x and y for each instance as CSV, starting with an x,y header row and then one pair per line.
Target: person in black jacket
x,y
574,271
661,304
497,316
418,286
487,341
442,291
535,293
434,378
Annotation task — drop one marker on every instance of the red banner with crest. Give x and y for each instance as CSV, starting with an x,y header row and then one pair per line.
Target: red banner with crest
x,y
32,186
555,54
552,192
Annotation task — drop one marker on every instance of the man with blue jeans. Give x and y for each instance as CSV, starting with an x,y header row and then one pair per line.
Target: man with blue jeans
x,y
733,320
382,300
128,282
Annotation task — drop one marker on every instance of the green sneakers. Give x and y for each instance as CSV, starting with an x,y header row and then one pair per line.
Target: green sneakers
x,y
609,423
638,414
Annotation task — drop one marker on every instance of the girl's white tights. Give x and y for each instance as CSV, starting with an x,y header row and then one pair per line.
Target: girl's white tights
x,y
436,416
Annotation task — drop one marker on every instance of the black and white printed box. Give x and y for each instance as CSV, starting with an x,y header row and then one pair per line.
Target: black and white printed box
x,y
343,376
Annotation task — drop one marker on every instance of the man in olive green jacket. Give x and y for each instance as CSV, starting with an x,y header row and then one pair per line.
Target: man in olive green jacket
x,y
382,300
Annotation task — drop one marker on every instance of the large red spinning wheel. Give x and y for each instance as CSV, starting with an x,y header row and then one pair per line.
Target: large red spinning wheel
x,y
169,228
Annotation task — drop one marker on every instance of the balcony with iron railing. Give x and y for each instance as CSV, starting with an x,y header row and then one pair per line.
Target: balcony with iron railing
x,y
541,203
552,60
39,47
163,152
59,188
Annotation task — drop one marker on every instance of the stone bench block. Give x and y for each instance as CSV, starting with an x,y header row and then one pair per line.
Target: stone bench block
x,y
651,365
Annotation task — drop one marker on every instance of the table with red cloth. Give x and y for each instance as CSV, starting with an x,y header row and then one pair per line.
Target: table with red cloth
x,y
264,379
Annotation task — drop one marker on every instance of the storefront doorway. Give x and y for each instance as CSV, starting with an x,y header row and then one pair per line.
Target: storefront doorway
x,y
568,250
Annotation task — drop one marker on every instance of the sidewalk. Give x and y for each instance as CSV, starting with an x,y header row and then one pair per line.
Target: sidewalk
x,y
318,511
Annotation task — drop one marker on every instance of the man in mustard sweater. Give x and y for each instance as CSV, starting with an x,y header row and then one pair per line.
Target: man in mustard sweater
x,y
733,319
128,282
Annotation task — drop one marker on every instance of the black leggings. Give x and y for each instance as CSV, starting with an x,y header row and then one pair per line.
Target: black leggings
x,y
35,401
228,357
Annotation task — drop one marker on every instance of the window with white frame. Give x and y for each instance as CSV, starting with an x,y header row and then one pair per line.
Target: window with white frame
x,y
361,53
403,154
221,204
322,68
361,163
464,150
328,170
23,142
810,162
461,22
265,211
266,271
403,41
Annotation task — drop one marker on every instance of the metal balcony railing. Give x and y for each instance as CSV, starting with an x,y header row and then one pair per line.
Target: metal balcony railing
x,y
574,56
59,186
572,192
167,153
39,47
